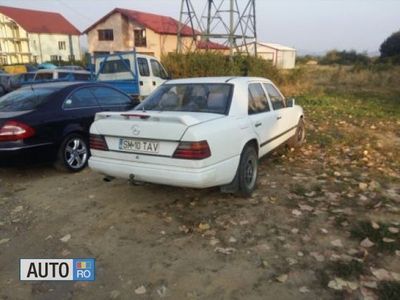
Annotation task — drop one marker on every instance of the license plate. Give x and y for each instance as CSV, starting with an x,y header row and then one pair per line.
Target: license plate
x,y
131,145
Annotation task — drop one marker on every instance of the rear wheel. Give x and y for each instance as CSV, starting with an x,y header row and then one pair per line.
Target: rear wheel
x,y
247,171
73,153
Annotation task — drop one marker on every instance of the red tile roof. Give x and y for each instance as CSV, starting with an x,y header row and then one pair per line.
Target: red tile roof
x,y
40,21
211,45
157,23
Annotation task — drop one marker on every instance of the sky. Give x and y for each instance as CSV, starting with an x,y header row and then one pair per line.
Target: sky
x,y
310,26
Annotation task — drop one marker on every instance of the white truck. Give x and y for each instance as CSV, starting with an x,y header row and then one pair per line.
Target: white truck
x,y
135,74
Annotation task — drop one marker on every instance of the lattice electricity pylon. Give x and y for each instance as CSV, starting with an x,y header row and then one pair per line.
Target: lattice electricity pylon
x,y
231,23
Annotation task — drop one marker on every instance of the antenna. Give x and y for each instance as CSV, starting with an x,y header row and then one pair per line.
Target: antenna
x,y
229,22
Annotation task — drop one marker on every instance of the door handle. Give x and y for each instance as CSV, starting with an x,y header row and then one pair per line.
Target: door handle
x,y
154,83
279,117
141,83
258,124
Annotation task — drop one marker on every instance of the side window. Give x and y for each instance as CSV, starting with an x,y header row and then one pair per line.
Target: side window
x,y
277,100
107,96
81,98
143,66
63,75
81,76
258,101
44,76
158,70
115,66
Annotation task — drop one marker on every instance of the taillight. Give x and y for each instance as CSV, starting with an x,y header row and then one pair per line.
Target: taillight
x,y
98,142
14,131
192,150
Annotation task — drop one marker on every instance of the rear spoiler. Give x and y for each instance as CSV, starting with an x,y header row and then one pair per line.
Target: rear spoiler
x,y
154,117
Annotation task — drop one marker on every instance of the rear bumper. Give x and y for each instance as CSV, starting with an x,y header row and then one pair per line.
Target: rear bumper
x,y
215,175
14,153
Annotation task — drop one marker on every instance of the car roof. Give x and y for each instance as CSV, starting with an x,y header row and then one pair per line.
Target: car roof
x,y
224,79
62,84
62,70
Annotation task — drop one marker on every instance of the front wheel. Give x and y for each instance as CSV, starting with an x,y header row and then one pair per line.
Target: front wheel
x,y
247,171
299,137
73,153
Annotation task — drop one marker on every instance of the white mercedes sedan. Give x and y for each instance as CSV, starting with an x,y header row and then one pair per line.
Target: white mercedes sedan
x,y
198,133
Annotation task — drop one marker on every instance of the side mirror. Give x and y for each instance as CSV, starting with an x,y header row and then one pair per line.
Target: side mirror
x,y
291,102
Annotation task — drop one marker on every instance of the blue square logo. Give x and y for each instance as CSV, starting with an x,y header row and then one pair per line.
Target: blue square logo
x,y
84,269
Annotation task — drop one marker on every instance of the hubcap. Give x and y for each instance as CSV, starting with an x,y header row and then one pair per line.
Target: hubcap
x,y
250,173
75,153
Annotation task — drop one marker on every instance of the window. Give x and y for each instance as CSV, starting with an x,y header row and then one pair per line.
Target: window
x,y
143,66
140,37
107,96
157,69
24,99
54,57
63,75
207,98
115,66
44,76
81,76
277,100
62,45
258,101
81,98
106,35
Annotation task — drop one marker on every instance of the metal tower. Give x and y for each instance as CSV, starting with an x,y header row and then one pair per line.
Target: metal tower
x,y
228,22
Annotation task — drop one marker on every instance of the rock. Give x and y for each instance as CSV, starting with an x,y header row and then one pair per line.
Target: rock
x,y
183,228
340,284
244,222
282,278
214,241
366,243
65,238
295,230
363,186
300,254
140,290
4,241
232,240
318,257
115,294
323,230
311,194
393,230
397,252
226,251
375,225
17,209
337,243
306,207
337,174
381,274
387,240
296,212
204,226
162,291
304,290
367,294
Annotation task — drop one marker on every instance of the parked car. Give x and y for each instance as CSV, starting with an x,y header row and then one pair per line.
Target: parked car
x,y
72,67
61,75
52,120
198,133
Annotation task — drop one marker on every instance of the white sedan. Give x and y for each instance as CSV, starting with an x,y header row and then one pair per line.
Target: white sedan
x,y
198,133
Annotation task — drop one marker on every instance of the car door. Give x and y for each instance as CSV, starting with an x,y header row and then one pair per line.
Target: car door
x,y
80,107
112,100
159,74
286,116
261,117
145,81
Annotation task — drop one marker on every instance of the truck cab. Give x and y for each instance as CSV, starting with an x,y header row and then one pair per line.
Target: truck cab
x,y
135,74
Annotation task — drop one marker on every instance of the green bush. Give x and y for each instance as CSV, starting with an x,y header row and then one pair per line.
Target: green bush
x,y
216,64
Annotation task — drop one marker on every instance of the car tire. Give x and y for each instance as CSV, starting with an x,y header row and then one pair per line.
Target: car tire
x,y
247,171
299,137
73,153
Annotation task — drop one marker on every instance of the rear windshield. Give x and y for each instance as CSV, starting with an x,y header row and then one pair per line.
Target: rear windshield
x,y
206,97
24,99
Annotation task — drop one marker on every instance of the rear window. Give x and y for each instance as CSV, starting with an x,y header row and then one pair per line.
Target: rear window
x,y
115,66
208,98
24,99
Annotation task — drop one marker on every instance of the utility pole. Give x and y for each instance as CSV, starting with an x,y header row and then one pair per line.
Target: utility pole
x,y
231,23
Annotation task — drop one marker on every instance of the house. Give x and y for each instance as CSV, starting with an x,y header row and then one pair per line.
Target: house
x,y
36,36
282,57
123,30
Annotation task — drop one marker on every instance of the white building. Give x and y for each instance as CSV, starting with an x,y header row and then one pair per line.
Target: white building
x,y
282,57
36,36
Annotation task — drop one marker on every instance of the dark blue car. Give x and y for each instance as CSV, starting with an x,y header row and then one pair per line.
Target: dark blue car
x,y
52,120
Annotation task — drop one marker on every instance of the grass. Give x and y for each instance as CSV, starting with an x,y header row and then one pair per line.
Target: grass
x,y
364,229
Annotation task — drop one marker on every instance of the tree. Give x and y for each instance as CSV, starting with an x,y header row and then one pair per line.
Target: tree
x,y
391,46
